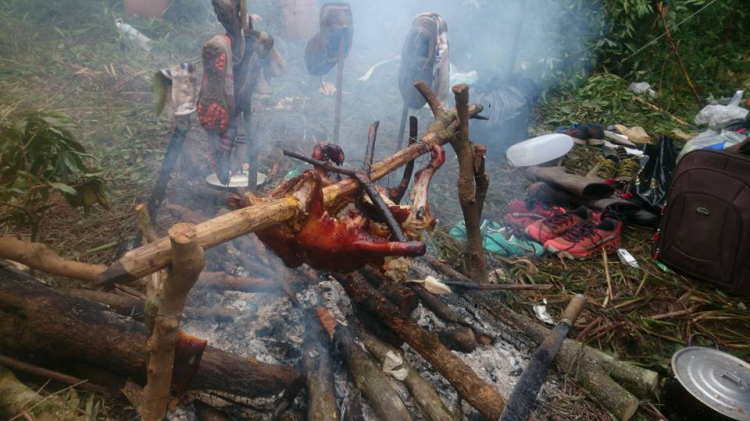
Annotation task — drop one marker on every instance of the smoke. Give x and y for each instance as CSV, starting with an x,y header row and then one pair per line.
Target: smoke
x,y
517,48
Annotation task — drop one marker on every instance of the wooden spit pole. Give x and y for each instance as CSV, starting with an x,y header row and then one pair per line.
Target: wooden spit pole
x,y
149,258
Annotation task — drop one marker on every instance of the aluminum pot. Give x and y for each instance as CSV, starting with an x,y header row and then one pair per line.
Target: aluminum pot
x,y
707,384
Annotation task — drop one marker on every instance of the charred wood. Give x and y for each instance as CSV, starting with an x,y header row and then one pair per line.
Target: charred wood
x,y
366,375
478,393
421,390
42,325
316,358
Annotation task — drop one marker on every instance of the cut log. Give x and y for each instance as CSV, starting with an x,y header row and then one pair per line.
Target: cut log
x,y
445,313
41,325
316,358
421,390
149,258
594,370
39,256
479,394
366,375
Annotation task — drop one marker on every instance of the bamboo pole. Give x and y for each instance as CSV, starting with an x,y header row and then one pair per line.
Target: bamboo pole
x,y
148,259
188,262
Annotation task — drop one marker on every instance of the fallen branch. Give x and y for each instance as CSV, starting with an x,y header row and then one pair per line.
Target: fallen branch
x,y
39,256
366,375
421,390
42,325
187,263
49,374
149,258
478,393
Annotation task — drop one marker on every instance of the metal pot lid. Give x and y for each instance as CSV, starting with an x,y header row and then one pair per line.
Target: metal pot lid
x,y
719,380
236,180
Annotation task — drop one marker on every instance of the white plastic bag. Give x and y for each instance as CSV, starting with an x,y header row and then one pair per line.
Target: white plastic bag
x,y
715,114
713,139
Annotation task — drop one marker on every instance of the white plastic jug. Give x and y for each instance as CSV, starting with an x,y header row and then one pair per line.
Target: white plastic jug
x,y
539,150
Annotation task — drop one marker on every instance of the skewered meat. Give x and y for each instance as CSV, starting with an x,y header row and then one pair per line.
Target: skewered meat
x,y
357,237
341,244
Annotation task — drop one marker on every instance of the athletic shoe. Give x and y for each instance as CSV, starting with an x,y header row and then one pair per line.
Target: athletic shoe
x,y
424,57
322,52
605,169
587,240
498,239
216,98
557,225
629,169
522,213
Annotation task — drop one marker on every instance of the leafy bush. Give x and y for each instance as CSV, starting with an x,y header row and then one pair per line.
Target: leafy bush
x,y
38,157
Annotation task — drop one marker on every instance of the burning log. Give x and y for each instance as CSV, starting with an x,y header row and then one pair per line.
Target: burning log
x,y
421,390
367,376
316,358
147,259
594,370
42,325
475,391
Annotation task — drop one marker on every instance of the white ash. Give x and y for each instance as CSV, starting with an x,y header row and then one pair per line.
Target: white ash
x,y
270,330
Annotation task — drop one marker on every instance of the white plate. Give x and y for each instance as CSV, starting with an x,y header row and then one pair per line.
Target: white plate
x,y
237,180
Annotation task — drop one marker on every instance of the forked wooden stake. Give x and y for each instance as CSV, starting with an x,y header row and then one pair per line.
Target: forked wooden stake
x,y
188,262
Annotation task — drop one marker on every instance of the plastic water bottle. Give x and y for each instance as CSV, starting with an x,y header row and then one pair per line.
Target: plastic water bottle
x,y
134,34
539,150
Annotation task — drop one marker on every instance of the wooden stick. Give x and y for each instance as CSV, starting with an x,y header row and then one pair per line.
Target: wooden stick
x,y
481,178
372,137
424,394
188,262
316,358
592,369
466,190
479,394
655,108
676,52
167,166
39,256
339,91
402,127
155,281
366,375
434,103
397,193
149,258
49,374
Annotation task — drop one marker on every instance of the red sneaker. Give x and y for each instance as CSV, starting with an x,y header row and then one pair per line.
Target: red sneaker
x,y
521,214
557,225
588,240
